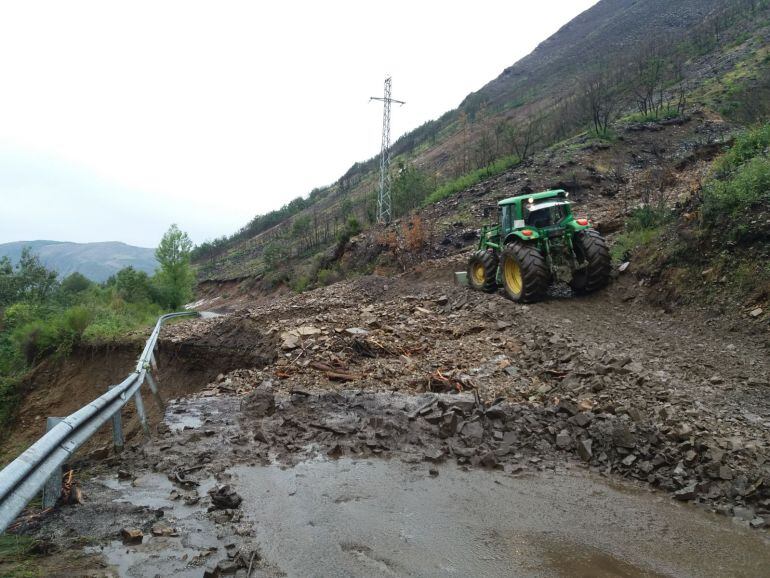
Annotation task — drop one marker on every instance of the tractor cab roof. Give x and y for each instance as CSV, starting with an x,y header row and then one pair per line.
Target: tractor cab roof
x,y
556,194
547,205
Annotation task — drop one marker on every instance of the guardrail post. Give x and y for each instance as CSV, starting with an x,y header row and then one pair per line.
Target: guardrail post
x,y
155,391
52,488
140,410
118,441
153,363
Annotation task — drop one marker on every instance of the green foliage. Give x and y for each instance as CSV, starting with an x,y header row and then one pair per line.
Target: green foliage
x,y
17,557
132,285
113,320
328,276
77,319
351,229
409,189
474,177
29,280
648,217
644,226
741,179
627,242
301,226
748,145
257,225
75,283
301,283
665,114
40,317
274,253
747,186
175,278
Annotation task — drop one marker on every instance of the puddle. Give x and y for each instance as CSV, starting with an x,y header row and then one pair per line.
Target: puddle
x,y
154,557
154,491
188,415
388,518
183,555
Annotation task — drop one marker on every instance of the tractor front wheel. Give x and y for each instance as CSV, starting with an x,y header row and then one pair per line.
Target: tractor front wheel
x,y
482,271
591,252
524,271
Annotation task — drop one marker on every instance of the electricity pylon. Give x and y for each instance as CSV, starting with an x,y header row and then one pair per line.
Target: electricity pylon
x,y
384,213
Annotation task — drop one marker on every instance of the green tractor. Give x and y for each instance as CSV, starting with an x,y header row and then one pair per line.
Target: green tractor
x,y
537,242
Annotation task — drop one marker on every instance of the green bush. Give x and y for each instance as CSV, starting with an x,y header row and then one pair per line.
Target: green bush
x,y
747,146
648,217
736,193
301,283
38,338
77,319
18,314
628,242
327,276
75,283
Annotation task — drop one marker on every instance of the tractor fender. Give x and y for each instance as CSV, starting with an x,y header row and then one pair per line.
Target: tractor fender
x,y
519,236
575,227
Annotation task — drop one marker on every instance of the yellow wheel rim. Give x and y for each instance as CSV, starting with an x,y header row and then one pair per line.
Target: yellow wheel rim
x,y
512,275
478,274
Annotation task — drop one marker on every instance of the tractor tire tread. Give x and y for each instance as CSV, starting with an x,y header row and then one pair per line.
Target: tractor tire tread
x,y
534,271
489,261
597,256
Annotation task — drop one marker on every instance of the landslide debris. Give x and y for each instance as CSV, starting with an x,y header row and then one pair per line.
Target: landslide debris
x,y
628,390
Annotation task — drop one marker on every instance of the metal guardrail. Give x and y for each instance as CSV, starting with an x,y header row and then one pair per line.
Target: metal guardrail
x,y
25,477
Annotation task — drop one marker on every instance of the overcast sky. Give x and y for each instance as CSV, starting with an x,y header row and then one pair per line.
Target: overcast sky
x,y
119,118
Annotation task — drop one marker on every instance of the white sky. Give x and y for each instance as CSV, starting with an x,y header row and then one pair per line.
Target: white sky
x,y
119,118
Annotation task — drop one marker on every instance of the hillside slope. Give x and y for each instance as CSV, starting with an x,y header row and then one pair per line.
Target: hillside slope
x,y
97,261
664,59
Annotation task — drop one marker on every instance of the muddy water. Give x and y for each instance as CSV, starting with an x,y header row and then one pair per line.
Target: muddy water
x,y
182,556
388,518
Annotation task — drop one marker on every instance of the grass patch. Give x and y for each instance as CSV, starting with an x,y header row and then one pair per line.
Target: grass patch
x,y
665,114
630,241
741,179
17,557
473,178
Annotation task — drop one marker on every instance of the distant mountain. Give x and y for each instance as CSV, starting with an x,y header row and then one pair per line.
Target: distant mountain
x,y
97,261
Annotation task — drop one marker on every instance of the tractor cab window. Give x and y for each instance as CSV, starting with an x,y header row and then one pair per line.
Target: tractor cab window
x,y
540,215
505,217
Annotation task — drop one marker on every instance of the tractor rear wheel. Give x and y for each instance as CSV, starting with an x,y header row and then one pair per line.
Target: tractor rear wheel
x,y
482,271
591,249
524,271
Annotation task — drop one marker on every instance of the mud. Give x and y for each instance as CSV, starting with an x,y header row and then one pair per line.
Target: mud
x,y
320,497
387,518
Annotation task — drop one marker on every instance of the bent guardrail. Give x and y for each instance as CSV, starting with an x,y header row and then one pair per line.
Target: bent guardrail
x,y
25,477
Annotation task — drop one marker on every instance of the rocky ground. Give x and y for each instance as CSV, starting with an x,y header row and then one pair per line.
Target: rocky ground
x,y
674,400
426,372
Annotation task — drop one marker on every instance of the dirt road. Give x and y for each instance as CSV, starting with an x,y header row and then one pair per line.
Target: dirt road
x,y
500,417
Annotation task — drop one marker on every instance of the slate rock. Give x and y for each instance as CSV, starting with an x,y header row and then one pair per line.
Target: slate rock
x,y
473,431
584,449
260,402
224,498
563,439
687,493
131,535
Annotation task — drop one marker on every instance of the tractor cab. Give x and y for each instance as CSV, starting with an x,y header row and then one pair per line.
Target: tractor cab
x,y
540,214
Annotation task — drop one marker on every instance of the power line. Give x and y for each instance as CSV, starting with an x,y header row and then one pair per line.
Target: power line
x,y
384,213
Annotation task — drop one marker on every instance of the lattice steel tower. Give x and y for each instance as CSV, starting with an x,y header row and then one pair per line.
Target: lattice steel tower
x,y
384,213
